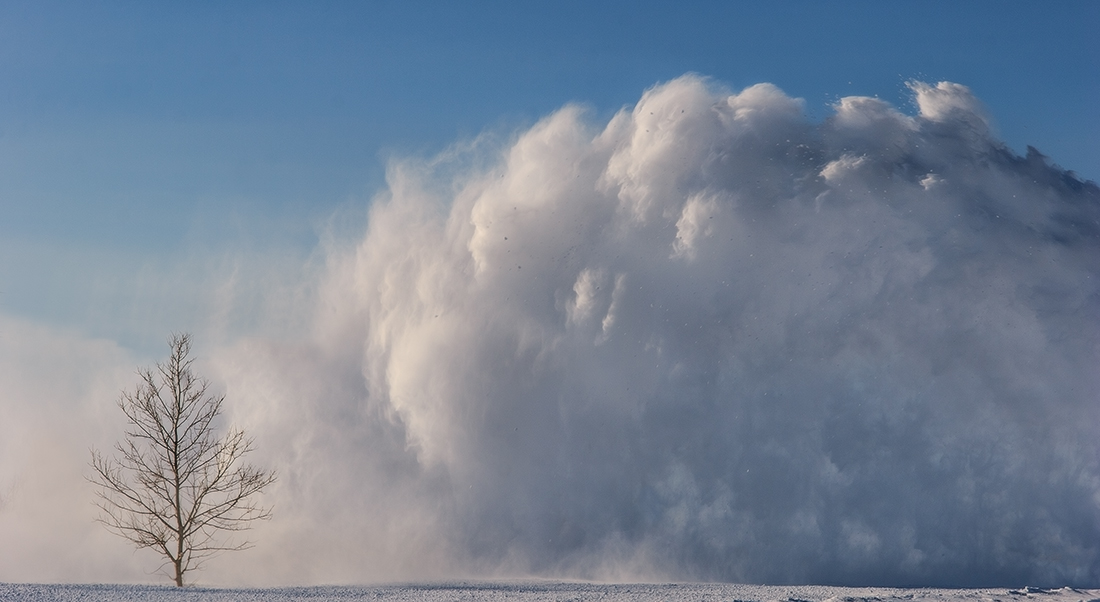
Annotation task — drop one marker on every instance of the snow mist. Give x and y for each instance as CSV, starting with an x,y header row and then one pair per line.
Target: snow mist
x,y
710,339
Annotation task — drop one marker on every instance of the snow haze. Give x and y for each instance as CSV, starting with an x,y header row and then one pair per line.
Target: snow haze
x,y
709,338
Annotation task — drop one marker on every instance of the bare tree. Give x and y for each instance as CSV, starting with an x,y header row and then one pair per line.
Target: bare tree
x,y
176,486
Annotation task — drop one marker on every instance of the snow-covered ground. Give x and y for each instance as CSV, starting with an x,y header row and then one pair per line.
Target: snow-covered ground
x,y
535,591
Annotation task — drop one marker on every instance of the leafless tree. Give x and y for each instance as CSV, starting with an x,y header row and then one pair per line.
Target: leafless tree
x,y
176,486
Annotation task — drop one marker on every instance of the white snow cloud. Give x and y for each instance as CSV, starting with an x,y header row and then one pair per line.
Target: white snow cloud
x,y
55,399
711,339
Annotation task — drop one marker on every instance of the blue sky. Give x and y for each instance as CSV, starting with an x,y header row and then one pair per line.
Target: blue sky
x,y
138,130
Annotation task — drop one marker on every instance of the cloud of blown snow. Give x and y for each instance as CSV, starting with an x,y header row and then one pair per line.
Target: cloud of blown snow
x,y
710,339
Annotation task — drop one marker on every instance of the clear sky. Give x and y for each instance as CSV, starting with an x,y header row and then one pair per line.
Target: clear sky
x,y
764,292
134,132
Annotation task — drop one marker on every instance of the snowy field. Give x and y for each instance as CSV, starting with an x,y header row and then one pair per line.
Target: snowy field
x,y
534,591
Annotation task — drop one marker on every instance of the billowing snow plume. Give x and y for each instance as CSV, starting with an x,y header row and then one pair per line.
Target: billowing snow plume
x,y
710,340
